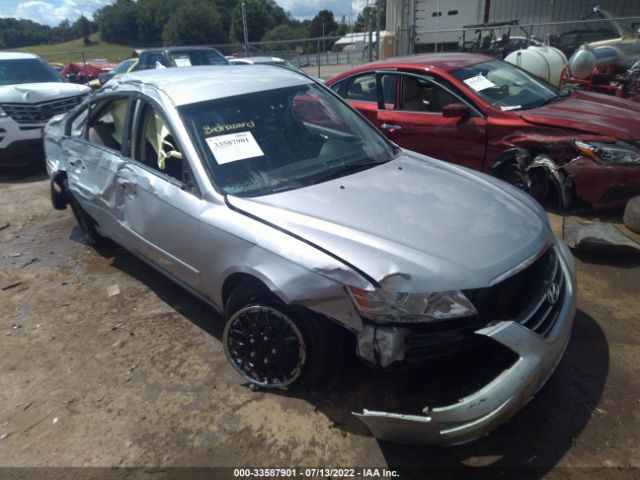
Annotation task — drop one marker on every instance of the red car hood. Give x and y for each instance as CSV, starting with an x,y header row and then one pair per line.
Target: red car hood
x,y
594,113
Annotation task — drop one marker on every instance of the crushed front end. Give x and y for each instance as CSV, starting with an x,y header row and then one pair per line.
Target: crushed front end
x,y
530,314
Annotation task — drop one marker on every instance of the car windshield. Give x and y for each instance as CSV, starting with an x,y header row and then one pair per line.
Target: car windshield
x,y
188,58
505,86
27,70
274,140
123,66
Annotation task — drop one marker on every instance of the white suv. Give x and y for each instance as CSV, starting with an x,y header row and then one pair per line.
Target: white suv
x,y
31,92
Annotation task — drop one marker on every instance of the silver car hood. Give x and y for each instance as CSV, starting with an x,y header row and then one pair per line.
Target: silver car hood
x,y
413,224
40,92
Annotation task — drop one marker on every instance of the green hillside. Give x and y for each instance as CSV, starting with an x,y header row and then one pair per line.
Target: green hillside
x,y
72,51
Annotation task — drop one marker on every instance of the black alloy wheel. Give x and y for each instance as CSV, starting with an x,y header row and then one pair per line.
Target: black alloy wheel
x,y
265,346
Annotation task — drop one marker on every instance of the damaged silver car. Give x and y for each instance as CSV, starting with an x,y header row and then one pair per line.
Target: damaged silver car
x,y
264,194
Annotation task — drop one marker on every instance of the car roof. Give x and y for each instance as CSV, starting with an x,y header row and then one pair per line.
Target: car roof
x,y
443,61
16,55
185,85
173,49
262,59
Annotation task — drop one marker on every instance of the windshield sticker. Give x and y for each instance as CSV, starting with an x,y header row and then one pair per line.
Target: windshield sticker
x,y
183,62
234,146
479,83
219,128
510,107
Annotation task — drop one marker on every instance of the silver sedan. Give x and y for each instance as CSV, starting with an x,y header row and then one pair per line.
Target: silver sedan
x,y
264,194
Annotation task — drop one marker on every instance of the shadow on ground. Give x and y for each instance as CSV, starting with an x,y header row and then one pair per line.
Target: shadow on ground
x,y
28,174
536,438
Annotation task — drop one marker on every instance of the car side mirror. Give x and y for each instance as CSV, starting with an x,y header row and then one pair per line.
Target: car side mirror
x,y
456,110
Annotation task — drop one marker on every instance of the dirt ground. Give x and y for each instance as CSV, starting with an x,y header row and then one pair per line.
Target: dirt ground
x,y
105,363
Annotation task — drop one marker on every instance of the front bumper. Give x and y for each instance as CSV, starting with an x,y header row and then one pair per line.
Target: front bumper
x,y
19,144
603,186
479,413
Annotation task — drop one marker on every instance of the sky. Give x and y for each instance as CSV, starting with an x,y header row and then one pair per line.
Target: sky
x,y
52,12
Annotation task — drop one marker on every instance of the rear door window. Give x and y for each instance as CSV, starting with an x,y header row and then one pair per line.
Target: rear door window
x,y
106,126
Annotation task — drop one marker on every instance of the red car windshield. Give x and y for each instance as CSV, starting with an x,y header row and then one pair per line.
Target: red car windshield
x,y
505,86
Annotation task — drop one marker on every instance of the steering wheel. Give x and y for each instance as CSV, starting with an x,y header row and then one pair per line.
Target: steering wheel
x,y
497,92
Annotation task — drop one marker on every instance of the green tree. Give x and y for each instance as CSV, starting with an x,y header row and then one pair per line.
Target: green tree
x,y
323,24
361,22
194,23
118,22
152,16
343,26
262,16
286,32
82,28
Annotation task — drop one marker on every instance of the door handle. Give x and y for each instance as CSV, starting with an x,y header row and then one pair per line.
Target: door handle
x,y
390,126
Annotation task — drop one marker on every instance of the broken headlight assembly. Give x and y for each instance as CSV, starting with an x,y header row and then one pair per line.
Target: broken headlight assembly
x,y
619,153
387,306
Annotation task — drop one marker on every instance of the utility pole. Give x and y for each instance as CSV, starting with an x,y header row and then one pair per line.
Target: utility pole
x,y
244,27
378,15
370,30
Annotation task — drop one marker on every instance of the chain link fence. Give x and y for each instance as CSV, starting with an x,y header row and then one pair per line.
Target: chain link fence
x,y
317,55
502,37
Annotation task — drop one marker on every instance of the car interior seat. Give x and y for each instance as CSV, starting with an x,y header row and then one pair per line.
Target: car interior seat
x,y
411,99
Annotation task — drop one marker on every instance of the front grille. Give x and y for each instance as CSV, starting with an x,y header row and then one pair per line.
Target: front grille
x,y
532,297
39,112
2,132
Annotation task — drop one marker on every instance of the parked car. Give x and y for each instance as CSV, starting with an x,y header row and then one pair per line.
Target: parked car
x,y
494,117
84,72
263,60
124,66
31,92
271,61
280,206
177,57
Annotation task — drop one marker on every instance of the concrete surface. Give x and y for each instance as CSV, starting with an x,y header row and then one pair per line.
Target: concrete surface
x,y
103,362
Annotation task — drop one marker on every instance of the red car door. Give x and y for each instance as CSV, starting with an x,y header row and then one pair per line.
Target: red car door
x,y
416,122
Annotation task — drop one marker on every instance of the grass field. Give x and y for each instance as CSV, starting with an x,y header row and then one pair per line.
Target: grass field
x,y
72,51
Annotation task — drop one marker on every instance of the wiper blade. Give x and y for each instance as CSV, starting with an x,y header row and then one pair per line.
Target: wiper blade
x,y
564,93
348,169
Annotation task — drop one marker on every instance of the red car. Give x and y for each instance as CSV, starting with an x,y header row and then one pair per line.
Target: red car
x,y
81,72
492,116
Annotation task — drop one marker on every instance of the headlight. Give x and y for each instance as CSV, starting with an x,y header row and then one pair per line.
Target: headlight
x,y
411,307
2,113
619,153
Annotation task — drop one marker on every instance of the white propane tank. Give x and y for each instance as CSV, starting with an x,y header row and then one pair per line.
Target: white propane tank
x,y
544,62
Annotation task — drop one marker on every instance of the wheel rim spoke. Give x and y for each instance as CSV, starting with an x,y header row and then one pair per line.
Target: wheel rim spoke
x,y
265,346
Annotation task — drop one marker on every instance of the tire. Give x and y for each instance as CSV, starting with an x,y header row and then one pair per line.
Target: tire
x,y
85,222
631,216
534,182
252,314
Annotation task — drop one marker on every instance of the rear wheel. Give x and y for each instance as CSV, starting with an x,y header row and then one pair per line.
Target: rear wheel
x,y
273,345
85,222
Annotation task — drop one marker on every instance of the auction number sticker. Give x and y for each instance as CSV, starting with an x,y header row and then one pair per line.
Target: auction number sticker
x,y
479,83
233,147
182,62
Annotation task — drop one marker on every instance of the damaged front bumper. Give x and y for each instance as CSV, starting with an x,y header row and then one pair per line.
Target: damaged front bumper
x,y
479,413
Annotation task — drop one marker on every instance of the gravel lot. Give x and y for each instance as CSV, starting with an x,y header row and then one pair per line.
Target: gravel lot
x,y
104,362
